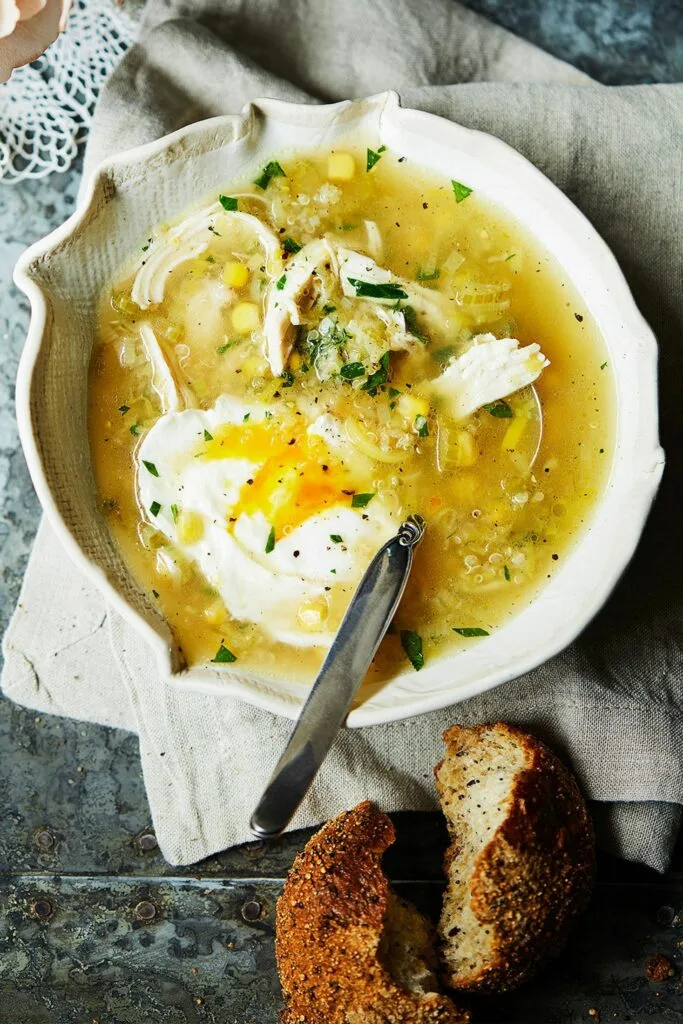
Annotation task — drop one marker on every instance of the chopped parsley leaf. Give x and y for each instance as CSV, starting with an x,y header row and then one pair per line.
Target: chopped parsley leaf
x,y
213,231
290,246
422,426
135,430
246,416
270,171
428,275
124,408
334,571
267,415
150,467
145,247
369,290
175,512
336,538
506,573
361,500
281,282
210,259
223,656
208,436
270,543
156,593
412,326
350,371
287,379
501,410
512,254
228,202
373,157
442,356
603,366
470,631
393,392
329,309
379,377
412,644
460,191
224,348
392,405
155,508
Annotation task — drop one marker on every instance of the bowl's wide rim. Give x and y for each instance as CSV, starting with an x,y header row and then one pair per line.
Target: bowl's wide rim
x,y
646,476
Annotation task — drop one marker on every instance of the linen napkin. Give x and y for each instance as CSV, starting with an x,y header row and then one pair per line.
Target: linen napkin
x,y
611,704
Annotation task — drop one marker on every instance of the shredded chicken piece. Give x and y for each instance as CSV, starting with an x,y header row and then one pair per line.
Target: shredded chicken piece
x,y
283,304
188,240
173,396
491,369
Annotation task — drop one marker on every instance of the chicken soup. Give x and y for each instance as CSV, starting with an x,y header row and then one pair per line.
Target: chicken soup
x,y
285,373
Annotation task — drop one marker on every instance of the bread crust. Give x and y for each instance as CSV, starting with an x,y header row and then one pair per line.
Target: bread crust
x,y
329,923
536,873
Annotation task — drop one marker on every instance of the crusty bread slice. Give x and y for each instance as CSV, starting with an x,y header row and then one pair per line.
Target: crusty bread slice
x,y
521,861
349,951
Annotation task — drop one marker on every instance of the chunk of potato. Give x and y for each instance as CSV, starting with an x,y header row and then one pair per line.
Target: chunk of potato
x,y
340,167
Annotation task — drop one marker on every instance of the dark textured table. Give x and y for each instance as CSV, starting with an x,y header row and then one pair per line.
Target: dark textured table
x,y
94,926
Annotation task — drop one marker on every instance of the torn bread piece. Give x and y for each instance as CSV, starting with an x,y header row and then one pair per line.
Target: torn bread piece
x,y
349,951
520,866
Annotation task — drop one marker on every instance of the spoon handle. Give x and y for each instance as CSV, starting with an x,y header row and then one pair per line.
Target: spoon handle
x,y
366,621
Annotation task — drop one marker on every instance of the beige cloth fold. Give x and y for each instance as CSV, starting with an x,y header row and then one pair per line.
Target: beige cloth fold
x,y
611,703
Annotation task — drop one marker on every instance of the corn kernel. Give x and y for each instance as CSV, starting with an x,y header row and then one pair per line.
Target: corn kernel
x,y
215,613
189,526
411,406
245,317
295,361
312,614
340,166
254,366
235,274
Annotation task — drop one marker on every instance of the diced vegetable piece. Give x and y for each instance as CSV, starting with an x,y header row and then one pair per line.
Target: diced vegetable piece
x,y
340,166
235,274
412,406
189,526
514,432
246,317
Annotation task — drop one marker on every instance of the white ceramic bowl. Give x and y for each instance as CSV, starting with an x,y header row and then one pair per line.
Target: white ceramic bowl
x,y
132,193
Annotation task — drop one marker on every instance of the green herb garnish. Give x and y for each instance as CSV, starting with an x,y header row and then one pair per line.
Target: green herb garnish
x,y
155,508
412,644
470,631
228,202
210,259
603,366
379,377
175,512
509,257
124,408
135,430
245,418
267,415
373,156
422,426
223,655
501,410
150,467
368,290
460,191
290,246
156,593
350,371
329,309
393,392
443,355
270,171
224,348
270,543
213,231
361,500
506,573
412,326
336,538
208,436
428,275
287,379
281,282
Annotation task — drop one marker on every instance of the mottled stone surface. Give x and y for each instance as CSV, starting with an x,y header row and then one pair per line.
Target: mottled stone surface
x,y
76,849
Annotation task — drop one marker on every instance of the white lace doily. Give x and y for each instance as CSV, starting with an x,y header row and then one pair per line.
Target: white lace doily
x,y
46,107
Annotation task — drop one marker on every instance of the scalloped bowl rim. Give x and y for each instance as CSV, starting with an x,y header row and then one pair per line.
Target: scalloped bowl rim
x,y
646,463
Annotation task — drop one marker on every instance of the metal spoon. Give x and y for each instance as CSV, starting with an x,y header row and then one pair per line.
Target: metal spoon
x,y
366,621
